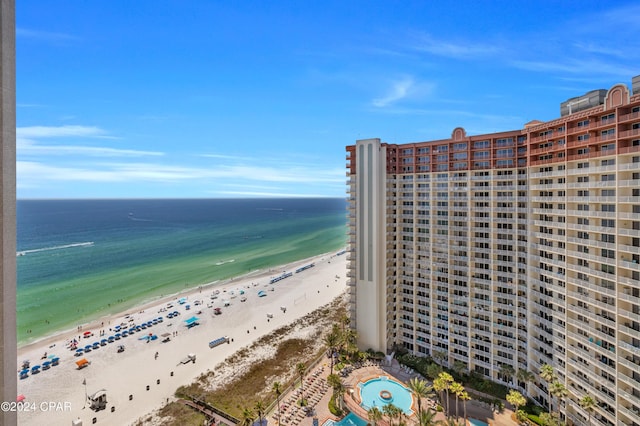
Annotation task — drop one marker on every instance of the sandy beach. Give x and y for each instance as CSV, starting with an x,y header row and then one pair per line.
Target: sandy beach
x,y
137,381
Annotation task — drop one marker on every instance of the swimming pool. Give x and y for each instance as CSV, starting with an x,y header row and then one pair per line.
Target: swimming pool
x,y
476,422
381,391
350,419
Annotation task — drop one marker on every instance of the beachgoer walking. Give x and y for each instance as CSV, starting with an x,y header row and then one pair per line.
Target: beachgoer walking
x,y
156,356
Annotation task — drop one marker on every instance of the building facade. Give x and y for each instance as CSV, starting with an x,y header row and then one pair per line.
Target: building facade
x,y
503,252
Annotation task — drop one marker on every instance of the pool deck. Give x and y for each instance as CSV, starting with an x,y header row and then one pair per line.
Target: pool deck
x,y
319,394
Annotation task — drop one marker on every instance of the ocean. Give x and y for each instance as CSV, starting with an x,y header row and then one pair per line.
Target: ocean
x,y
79,260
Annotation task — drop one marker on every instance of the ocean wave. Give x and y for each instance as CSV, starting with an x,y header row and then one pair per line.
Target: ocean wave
x,y
225,261
66,246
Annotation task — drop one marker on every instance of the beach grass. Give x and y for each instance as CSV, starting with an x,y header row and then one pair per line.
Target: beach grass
x,y
256,382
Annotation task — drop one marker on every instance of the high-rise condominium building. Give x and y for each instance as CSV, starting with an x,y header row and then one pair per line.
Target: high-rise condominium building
x,y
503,252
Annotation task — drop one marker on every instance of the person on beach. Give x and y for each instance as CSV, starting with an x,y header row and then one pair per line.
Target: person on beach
x,y
156,355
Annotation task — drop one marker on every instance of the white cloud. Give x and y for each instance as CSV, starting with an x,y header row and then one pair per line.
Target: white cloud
x,y
399,90
43,35
30,172
269,194
59,131
29,147
460,50
404,88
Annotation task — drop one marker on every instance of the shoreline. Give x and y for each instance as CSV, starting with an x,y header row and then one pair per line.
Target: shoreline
x,y
136,381
150,302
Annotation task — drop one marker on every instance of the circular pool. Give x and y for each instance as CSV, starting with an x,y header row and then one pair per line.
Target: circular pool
x,y
381,391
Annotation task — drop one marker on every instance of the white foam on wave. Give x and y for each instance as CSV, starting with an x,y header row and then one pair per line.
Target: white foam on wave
x,y
225,261
66,246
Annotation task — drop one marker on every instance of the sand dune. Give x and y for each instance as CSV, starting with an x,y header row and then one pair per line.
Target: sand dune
x,y
127,376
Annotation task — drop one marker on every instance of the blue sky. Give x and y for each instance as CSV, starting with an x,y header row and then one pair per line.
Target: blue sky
x,y
164,99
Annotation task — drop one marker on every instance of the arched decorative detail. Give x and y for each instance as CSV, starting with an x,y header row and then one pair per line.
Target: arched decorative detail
x,y
458,134
618,95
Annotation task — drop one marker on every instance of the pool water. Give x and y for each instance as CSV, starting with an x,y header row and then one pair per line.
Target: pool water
x,y
382,391
476,422
350,420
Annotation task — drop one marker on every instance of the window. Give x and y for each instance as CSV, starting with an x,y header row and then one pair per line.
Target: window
x,y
605,178
608,147
608,223
607,253
608,208
583,165
608,192
608,238
583,138
609,162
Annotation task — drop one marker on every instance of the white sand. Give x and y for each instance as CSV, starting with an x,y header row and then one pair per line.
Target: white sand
x,y
130,372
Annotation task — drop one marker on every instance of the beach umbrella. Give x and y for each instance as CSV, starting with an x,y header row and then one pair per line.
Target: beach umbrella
x,y
20,398
79,352
55,361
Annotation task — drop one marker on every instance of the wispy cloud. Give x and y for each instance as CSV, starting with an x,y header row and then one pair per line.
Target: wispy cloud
x,y
579,67
29,147
33,171
28,144
461,49
399,90
268,194
60,131
44,35
404,88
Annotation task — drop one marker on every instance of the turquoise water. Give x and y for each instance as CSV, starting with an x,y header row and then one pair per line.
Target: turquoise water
x,y
372,392
79,260
476,422
350,419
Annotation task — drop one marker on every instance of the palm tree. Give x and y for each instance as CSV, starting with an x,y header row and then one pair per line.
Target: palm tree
x,y
277,388
349,339
345,321
332,340
420,389
548,375
441,384
525,377
559,391
439,357
259,407
375,415
301,368
427,418
247,417
334,381
433,370
449,422
456,389
507,371
464,396
516,399
459,367
389,411
587,402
